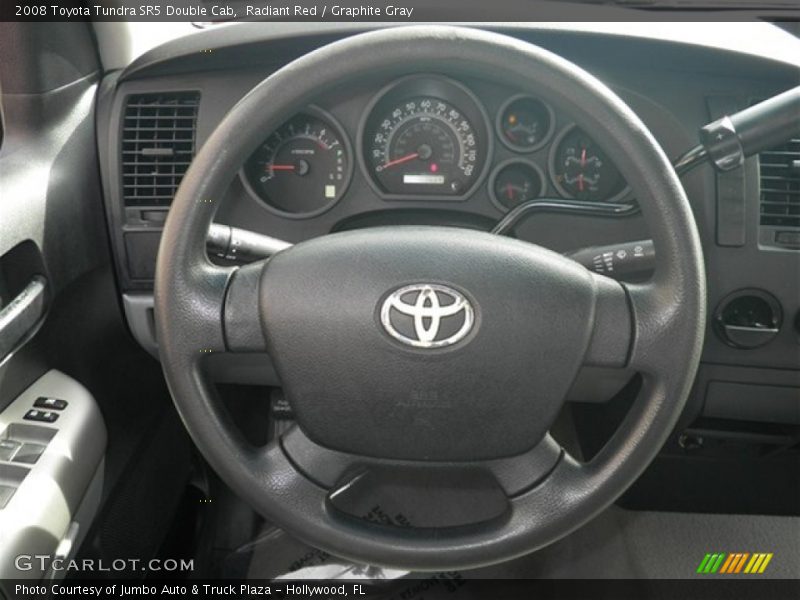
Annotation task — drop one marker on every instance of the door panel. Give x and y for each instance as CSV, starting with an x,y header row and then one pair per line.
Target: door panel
x,y
51,240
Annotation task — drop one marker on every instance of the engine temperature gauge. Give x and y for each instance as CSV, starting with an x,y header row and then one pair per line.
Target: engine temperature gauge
x,y
514,182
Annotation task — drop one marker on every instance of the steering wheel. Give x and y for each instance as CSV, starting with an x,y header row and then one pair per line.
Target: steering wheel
x,y
467,410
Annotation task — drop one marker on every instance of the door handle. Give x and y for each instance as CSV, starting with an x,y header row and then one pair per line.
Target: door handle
x,y
20,316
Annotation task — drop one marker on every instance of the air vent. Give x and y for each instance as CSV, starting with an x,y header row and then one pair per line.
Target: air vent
x,y
780,185
158,144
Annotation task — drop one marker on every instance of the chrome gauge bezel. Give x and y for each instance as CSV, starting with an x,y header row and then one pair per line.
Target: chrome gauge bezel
x,y
439,86
313,111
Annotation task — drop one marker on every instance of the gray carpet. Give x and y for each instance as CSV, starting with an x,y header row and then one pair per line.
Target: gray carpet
x,y
619,544
658,545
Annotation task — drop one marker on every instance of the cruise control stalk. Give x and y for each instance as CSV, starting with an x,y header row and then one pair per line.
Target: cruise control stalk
x,y
241,245
728,141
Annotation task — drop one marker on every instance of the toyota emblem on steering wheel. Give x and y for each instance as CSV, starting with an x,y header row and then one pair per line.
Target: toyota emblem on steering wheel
x,y
427,315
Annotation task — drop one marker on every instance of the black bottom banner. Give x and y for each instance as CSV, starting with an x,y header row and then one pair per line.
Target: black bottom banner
x,y
439,586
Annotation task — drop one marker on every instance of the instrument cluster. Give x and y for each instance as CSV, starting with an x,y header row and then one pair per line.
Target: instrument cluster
x,y
429,138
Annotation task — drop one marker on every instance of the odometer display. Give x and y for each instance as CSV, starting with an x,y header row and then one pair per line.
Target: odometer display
x,y
424,145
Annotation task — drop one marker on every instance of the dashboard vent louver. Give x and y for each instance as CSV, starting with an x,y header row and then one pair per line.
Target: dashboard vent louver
x,y
780,185
158,144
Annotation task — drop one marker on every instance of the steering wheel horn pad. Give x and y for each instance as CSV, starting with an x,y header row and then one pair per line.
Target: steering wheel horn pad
x,y
364,397
356,389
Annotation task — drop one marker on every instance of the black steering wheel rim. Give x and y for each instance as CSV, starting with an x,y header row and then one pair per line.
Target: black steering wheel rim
x,y
664,339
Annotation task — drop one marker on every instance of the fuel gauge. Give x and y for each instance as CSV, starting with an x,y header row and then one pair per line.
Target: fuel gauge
x,y
514,182
525,123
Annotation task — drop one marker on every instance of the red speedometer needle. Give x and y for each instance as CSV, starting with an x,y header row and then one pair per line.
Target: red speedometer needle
x,y
282,167
401,160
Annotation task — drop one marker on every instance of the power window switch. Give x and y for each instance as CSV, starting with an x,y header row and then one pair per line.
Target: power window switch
x,y
29,453
50,403
43,416
6,491
7,449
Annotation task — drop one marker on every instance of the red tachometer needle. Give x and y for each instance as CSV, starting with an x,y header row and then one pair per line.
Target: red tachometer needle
x,y
401,160
282,167
583,157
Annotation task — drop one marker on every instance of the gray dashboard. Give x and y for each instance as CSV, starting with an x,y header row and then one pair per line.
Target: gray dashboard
x,y
675,89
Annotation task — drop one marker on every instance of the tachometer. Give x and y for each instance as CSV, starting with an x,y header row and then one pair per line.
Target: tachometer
x,y
427,138
304,167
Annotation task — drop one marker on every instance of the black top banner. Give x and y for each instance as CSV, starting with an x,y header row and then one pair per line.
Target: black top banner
x,y
411,11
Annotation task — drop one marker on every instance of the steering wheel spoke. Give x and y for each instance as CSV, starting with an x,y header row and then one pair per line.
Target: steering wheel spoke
x,y
329,468
419,494
200,296
613,331
240,315
632,325
659,329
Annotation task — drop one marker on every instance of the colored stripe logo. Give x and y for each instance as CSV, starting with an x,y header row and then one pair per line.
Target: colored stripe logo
x,y
734,563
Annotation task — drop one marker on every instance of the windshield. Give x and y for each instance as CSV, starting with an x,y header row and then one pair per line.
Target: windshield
x,y
122,42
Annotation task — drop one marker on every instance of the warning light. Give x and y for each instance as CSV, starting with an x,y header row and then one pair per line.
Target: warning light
x,y
434,167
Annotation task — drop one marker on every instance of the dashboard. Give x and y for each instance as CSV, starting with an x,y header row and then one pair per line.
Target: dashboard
x,y
432,148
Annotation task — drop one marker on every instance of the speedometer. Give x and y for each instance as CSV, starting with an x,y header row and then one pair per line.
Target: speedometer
x,y
426,144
